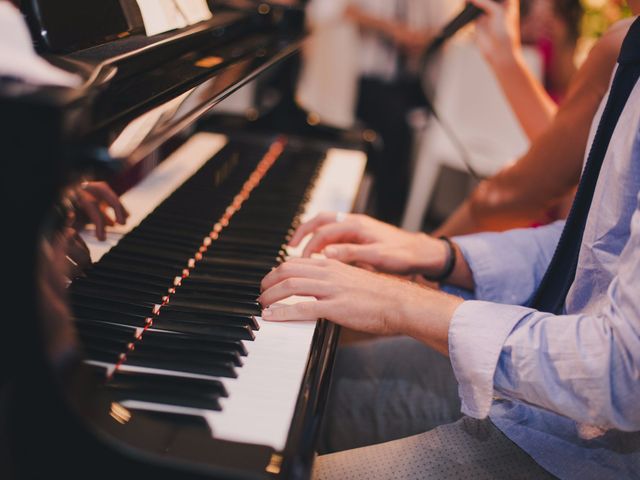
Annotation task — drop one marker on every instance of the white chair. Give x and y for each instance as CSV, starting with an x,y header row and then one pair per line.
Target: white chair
x,y
471,103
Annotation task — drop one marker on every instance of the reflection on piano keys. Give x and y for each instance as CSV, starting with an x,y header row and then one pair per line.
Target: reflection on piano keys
x,y
182,334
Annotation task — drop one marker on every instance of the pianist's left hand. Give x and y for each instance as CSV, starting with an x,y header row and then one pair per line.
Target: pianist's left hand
x,y
92,200
358,299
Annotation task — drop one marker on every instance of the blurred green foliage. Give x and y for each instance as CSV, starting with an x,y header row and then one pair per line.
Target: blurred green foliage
x,y
600,14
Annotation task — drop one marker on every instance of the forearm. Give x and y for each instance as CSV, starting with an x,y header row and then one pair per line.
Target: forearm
x,y
505,267
486,211
523,193
531,104
426,316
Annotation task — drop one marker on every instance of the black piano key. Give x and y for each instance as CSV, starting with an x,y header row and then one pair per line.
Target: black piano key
x,y
213,291
139,266
113,291
215,288
181,350
125,335
227,332
214,369
106,329
163,397
237,252
100,353
182,243
236,346
213,261
125,279
125,274
212,278
155,251
150,260
262,241
215,306
177,383
221,320
219,365
243,272
117,340
82,304
89,315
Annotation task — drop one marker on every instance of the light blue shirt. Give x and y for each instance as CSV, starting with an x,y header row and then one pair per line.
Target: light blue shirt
x,y
565,388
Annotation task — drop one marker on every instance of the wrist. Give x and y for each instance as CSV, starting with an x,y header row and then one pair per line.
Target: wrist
x,y
432,255
426,315
506,58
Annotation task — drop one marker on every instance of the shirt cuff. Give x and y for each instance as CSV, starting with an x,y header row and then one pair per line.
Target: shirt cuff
x,y
487,264
458,292
477,333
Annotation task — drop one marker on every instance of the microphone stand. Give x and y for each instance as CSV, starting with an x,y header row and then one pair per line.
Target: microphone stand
x,y
466,16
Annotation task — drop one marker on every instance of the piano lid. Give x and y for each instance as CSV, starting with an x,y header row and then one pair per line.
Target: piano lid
x,y
140,90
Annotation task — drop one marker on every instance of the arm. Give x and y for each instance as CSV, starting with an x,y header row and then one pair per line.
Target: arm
x,y
585,366
373,303
363,241
521,193
400,34
498,37
508,267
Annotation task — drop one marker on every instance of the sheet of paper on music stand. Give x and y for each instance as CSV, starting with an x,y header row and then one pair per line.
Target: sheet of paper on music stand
x,y
161,16
195,10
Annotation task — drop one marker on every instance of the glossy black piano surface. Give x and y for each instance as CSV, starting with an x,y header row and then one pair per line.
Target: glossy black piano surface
x,y
177,294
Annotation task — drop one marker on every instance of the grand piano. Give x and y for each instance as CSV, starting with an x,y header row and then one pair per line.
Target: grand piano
x,y
155,363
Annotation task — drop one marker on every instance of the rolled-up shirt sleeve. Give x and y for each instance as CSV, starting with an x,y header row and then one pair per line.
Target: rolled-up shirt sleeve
x,y
583,366
477,335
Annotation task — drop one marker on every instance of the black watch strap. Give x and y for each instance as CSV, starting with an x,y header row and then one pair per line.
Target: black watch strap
x,y
449,264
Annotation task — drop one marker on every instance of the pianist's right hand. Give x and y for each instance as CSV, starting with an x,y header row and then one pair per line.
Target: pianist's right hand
x,y
361,240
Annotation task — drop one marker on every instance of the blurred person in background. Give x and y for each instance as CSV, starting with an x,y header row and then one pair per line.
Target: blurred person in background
x,y
391,37
372,72
538,188
553,28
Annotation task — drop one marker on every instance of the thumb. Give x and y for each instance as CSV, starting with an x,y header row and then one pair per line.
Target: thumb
x,y
352,253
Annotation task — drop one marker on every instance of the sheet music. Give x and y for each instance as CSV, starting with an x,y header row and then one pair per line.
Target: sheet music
x,y
194,10
160,16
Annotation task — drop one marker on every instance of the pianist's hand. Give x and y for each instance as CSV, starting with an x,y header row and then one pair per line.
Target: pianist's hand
x,y
363,241
92,200
498,31
358,299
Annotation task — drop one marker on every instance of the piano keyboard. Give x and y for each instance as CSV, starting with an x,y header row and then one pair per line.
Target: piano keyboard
x,y
169,311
